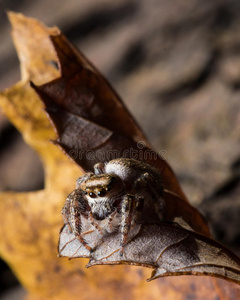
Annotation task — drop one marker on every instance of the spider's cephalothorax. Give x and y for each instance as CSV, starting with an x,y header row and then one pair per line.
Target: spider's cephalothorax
x,y
103,193
121,188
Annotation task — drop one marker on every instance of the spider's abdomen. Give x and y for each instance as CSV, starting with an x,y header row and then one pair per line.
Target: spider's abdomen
x,y
129,170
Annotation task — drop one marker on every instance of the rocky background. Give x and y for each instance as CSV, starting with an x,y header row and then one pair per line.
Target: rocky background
x,y
176,65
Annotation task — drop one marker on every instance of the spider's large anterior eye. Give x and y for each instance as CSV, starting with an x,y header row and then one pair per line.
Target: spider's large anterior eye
x,y
101,193
92,195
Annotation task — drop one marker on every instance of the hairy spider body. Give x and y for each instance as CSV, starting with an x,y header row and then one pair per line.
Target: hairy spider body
x,y
122,188
103,192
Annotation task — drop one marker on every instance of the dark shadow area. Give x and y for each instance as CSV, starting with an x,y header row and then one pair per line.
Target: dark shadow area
x,y
7,279
132,59
12,61
222,211
99,20
20,167
236,165
6,5
8,136
187,88
218,17
227,188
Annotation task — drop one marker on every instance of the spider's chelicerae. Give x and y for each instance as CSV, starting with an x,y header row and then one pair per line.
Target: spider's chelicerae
x,y
122,189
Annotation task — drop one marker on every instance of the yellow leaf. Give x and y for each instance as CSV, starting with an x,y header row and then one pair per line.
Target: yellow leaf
x,y
30,222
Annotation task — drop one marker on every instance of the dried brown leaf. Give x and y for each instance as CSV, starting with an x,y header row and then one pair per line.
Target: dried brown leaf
x,y
89,117
168,249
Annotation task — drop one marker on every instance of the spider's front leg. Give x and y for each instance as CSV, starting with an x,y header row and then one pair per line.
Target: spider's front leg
x,y
130,205
75,207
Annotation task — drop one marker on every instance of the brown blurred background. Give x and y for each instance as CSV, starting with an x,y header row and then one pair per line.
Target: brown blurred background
x,y
176,65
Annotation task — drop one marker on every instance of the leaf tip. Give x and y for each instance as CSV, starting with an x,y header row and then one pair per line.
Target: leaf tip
x,y
12,15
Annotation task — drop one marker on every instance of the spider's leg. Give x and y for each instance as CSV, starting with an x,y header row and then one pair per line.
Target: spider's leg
x,y
110,218
146,187
143,189
78,208
99,168
128,206
147,181
66,212
84,243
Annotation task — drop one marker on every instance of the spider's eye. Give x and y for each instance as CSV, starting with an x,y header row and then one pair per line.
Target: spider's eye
x,y
101,193
85,193
92,195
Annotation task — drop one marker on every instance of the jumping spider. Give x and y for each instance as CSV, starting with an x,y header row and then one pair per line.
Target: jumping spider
x,y
122,187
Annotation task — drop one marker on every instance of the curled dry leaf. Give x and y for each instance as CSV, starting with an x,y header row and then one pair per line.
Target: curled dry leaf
x,y
90,135
30,221
89,117
169,250
91,121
